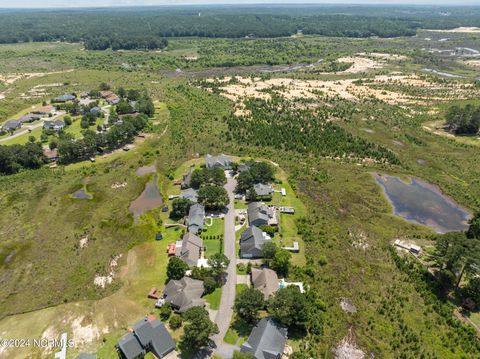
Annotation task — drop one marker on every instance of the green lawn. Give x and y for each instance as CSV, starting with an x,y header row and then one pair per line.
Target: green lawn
x,y
214,298
239,330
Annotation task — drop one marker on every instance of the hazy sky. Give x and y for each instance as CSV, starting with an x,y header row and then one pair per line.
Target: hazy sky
x,y
99,3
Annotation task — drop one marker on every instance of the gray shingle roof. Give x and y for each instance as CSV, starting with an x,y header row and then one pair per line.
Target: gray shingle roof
x,y
251,243
191,250
12,125
130,347
262,189
265,280
184,294
266,341
65,98
218,161
196,216
189,194
147,336
258,214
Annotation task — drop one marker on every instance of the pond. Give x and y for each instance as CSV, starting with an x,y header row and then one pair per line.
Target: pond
x,y
81,194
420,202
148,200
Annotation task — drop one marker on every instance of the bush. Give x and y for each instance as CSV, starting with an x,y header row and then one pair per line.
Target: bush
x,y
175,321
165,312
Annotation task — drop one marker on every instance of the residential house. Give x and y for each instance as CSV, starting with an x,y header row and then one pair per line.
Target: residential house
x,y
55,125
244,166
50,155
106,94
44,110
196,216
113,99
252,241
65,98
260,215
84,94
190,194
184,294
222,161
265,280
148,336
266,341
262,190
191,249
86,356
96,110
12,125
30,117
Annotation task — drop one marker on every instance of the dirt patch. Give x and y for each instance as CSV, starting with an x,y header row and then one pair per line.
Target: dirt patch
x,y
9,79
103,281
359,64
347,306
347,348
84,334
460,30
473,63
84,242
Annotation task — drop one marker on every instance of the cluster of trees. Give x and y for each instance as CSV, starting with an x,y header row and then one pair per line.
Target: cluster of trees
x,y
147,29
71,149
208,176
457,256
277,258
278,125
15,158
258,172
463,121
125,43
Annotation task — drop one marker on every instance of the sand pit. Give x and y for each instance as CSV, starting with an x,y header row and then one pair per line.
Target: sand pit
x,y
359,64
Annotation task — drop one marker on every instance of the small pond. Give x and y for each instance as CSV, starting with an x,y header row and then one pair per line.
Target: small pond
x,y
146,170
148,200
420,202
81,194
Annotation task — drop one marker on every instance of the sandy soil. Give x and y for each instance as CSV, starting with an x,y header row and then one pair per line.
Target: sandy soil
x,y
359,64
460,29
348,89
473,63
9,79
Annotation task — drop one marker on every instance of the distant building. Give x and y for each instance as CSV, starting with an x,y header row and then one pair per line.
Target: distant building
x,y
222,161
189,194
55,125
265,280
184,294
113,99
106,94
12,125
30,117
262,190
44,110
252,241
191,249
266,341
96,110
260,215
148,336
65,98
196,216
50,155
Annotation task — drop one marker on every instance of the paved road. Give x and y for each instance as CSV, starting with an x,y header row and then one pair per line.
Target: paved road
x,y
225,312
31,127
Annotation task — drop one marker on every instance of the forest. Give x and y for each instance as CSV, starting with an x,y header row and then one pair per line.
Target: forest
x,y
463,120
147,28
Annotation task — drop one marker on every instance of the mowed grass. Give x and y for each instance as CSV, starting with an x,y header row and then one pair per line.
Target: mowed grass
x,y
214,298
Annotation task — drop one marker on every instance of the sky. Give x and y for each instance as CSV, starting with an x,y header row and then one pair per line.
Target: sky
x,y
114,3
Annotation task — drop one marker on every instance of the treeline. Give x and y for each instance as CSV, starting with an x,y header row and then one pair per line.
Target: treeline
x,y
463,121
125,43
118,135
15,158
147,28
275,124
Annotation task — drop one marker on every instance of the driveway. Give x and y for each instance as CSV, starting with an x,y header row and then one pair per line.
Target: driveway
x,y
225,312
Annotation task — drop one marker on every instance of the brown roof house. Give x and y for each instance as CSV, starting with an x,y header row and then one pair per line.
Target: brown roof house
x,y
184,294
265,280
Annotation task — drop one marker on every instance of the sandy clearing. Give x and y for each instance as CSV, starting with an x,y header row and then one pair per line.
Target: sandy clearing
x,y
473,63
9,79
359,64
384,56
460,30
348,89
